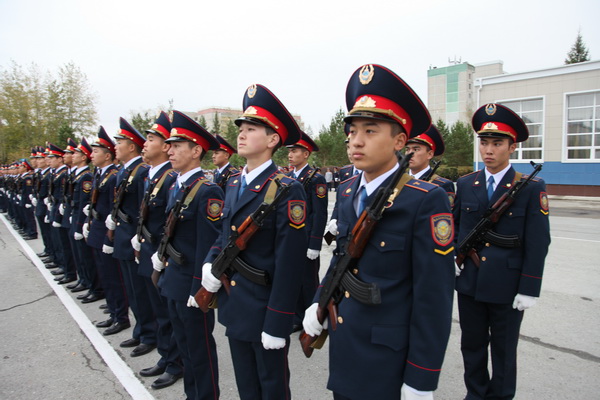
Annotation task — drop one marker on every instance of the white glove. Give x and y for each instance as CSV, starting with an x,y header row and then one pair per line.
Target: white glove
x,y
136,243
192,302
46,220
31,197
457,270
332,227
56,224
34,202
209,282
86,210
86,230
77,236
46,201
310,322
28,206
71,220
110,223
523,302
19,197
409,393
61,209
156,263
271,342
312,254
107,249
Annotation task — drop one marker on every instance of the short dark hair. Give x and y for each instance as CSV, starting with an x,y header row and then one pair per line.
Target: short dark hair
x,y
105,151
192,145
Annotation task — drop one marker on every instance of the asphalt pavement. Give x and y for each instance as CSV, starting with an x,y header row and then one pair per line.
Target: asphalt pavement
x,y
50,348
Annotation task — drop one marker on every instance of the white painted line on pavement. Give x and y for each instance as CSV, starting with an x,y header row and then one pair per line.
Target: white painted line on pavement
x,y
119,367
581,240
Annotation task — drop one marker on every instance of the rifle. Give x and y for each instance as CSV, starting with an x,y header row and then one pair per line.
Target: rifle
x,y
224,178
238,241
120,192
309,177
170,225
341,278
427,177
482,232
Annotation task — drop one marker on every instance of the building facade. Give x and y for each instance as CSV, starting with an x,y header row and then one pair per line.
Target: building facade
x,y
560,105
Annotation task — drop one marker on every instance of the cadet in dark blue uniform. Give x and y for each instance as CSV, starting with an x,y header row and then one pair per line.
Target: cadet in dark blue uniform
x,y
424,147
259,317
394,349
492,297
109,270
196,226
128,197
27,182
316,219
40,193
220,158
150,226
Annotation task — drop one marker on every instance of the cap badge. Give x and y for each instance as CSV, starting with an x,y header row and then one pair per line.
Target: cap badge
x,y
155,126
490,109
490,126
174,131
366,74
365,101
251,91
251,111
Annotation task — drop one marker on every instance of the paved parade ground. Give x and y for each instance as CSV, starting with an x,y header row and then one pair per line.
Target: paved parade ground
x,y
50,348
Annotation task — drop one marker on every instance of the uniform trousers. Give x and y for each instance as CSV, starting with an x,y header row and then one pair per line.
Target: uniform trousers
x,y
88,276
310,283
46,239
260,374
496,325
193,332
145,321
111,279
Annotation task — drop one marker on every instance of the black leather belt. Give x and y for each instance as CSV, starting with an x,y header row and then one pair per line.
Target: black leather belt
x,y
254,275
124,217
365,293
175,255
147,235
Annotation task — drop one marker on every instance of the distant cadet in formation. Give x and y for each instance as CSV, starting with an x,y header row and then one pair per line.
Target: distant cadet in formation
x,y
220,157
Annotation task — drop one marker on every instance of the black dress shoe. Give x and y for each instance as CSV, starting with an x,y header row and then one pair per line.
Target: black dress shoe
x,y
48,260
64,281
58,272
72,285
51,266
116,328
42,254
106,311
152,371
103,306
59,277
105,324
165,380
131,343
142,349
92,298
78,288
30,237
84,296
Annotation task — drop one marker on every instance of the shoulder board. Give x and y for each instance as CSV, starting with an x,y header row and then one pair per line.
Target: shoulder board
x,y
534,179
349,179
420,185
236,174
441,179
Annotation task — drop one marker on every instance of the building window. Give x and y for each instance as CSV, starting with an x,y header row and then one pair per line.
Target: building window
x,y
532,112
583,126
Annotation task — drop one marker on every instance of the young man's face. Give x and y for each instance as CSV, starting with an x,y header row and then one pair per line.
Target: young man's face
x,y
495,153
78,159
253,140
55,162
298,157
124,150
154,147
100,157
68,158
372,147
421,156
183,156
220,158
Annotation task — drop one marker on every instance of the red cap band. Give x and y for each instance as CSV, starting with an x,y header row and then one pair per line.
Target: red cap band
x,y
190,135
498,127
265,116
381,105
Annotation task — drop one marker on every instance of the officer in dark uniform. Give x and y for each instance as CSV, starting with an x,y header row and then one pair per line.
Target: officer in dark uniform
x,y
40,193
95,232
150,228
492,297
220,158
424,147
394,349
194,208
128,197
80,197
259,316
316,218
27,182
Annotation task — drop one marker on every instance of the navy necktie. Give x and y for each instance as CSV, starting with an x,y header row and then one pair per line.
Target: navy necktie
x,y
242,187
217,176
362,200
490,188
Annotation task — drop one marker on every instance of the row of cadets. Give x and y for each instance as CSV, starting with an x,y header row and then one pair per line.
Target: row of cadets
x,y
316,219
394,349
220,157
129,185
423,148
95,233
25,206
259,317
161,176
194,206
493,295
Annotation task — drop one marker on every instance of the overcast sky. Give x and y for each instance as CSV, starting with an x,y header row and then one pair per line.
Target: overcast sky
x,y
139,54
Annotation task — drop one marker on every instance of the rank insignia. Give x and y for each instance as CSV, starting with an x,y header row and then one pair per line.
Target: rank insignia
x,y
442,229
321,190
214,209
297,213
544,203
366,74
490,109
86,186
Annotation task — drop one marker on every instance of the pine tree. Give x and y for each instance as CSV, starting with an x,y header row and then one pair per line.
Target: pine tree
x,y
579,52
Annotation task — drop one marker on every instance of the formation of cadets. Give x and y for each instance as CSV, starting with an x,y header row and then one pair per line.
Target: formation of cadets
x,y
146,230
